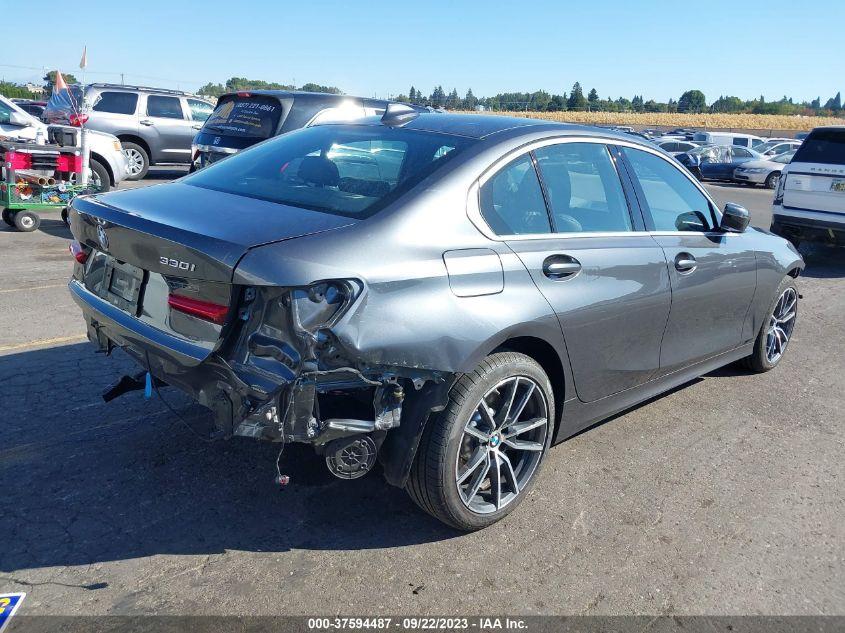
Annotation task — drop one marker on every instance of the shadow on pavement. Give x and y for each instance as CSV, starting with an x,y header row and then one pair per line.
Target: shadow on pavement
x,y
86,482
823,261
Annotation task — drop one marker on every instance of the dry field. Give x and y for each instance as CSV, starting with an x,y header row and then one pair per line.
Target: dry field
x,y
663,119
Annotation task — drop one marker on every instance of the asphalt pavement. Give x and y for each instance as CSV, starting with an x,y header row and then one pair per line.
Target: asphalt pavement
x,y
725,496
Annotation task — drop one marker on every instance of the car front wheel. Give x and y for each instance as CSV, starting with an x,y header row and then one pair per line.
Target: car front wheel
x,y
139,160
772,180
478,459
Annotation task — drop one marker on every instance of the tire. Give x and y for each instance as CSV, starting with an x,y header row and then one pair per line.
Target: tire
x,y
761,360
65,217
100,176
7,217
139,160
447,447
772,180
27,221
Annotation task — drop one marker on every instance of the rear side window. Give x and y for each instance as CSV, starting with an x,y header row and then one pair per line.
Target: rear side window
x,y
200,110
116,102
583,188
674,202
164,107
740,141
822,146
256,116
344,170
512,201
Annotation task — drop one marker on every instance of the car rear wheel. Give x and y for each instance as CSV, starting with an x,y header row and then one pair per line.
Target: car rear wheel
x,y
776,330
478,459
772,180
139,160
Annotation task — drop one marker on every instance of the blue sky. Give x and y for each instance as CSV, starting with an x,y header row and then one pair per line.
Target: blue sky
x,y
658,49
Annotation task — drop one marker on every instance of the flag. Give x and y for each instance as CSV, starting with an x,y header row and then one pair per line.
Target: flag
x,y
59,84
84,61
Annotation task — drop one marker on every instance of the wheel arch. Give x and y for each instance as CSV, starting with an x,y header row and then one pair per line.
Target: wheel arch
x,y
132,138
100,159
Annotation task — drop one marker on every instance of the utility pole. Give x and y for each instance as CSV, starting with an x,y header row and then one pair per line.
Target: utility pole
x,y
122,83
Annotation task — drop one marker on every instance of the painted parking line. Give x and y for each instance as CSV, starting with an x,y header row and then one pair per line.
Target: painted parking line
x,y
45,287
45,341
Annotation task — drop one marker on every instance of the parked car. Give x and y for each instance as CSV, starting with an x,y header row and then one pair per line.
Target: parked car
x,y
242,119
809,202
35,108
727,138
765,171
776,146
156,126
716,162
674,146
418,315
109,165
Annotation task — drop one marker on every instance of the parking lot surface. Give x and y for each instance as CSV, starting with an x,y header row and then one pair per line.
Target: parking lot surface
x,y
726,496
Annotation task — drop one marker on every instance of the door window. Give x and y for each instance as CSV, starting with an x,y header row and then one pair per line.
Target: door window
x,y
164,107
116,102
584,190
5,113
512,201
200,110
741,152
674,202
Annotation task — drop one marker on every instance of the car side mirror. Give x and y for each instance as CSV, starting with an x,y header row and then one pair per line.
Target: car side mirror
x,y
16,118
735,218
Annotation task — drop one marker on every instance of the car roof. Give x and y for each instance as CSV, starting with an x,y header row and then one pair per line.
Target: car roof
x,y
480,126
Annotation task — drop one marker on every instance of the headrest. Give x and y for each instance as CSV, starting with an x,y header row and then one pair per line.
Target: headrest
x,y
319,171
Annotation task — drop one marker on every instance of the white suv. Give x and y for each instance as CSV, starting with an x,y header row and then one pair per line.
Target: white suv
x,y
809,201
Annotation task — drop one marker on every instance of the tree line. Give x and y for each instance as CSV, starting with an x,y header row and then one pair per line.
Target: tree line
x,y
693,101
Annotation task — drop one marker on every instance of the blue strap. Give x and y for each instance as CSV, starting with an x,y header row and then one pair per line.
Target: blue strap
x,y
148,387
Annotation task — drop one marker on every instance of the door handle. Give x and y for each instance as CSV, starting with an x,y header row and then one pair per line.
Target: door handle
x,y
685,263
196,127
146,122
560,266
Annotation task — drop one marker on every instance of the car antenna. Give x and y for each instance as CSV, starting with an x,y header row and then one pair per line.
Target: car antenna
x,y
398,114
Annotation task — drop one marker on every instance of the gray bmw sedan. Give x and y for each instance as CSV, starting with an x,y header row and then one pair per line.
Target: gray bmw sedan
x,y
447,295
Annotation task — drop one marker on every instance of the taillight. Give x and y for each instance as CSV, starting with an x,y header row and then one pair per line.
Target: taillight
x,y
18,160
69,162
205,310
780,188
79,252
244,94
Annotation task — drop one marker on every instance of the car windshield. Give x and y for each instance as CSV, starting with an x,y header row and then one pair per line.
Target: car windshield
x,y
344,170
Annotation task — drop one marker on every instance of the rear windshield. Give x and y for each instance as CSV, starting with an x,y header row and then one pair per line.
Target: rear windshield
x,y
256,116
822,146
344,170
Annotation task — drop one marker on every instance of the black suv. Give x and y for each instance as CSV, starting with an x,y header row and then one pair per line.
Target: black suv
x,y
242,119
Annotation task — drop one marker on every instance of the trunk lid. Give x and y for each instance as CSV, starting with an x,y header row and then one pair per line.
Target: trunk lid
x,y
196,233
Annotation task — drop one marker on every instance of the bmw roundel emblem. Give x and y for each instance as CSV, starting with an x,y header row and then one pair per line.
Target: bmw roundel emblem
x,y
101,234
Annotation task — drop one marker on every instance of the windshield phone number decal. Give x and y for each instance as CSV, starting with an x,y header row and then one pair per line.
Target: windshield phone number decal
x,y
417,624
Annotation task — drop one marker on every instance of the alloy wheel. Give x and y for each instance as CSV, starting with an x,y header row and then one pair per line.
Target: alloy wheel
x,y
136,161
781,324
502,445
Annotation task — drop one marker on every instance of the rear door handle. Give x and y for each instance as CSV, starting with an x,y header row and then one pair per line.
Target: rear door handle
x,y
196,126
685,263
560,266
146,122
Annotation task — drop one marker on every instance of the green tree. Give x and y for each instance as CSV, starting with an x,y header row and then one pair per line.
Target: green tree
x,y
593,99
211,90
577,101
692,101
412,95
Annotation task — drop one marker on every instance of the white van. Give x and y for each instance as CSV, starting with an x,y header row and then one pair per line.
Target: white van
x,y
810,198
728,138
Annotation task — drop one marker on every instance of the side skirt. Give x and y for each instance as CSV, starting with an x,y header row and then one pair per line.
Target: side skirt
x,y
578,415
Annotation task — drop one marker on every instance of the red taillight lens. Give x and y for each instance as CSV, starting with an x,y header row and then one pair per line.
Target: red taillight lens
x,y
18,160
79,252
244,94
205,310
69,162
77,119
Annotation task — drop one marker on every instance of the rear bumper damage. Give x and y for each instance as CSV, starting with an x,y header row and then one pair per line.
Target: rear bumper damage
x,y
283,375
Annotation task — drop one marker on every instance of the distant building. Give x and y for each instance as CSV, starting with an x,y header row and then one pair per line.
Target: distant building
x,y
35,89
